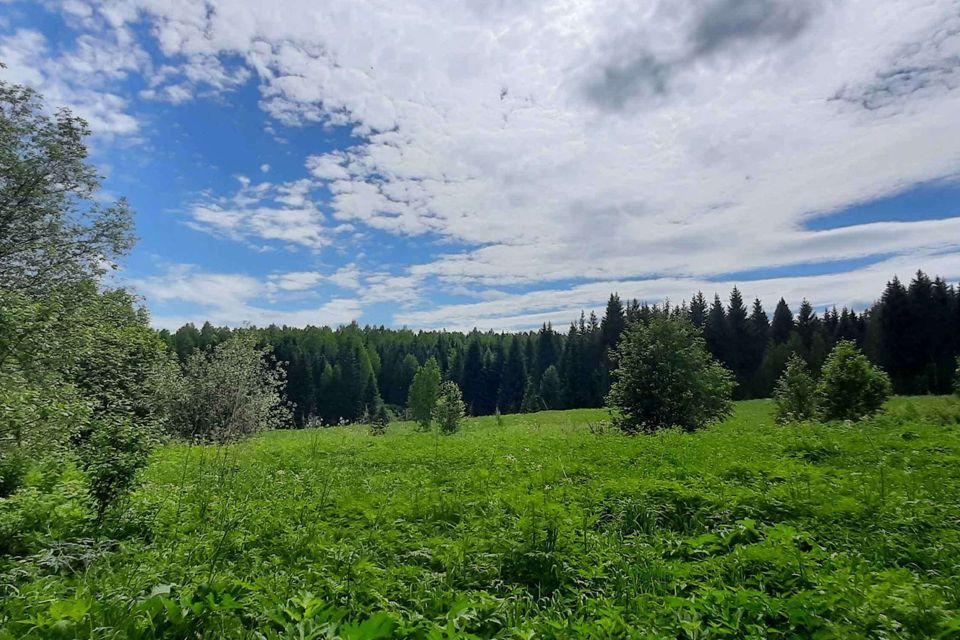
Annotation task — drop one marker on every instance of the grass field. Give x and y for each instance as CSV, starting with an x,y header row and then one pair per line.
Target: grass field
x,y
542,526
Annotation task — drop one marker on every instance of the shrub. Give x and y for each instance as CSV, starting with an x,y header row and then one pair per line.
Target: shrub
x,y
450,409
423,393
380,419
665,377
227,394
851,386
796,392
111,451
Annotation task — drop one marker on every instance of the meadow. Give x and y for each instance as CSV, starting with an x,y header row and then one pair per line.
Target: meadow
x,y
546,525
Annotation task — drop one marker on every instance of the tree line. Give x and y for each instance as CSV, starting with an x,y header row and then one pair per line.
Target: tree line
x,y
333,375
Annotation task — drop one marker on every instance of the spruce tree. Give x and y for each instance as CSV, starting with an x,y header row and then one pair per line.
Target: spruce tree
x,y
698,310
715,332
513,380
551,389
782,325
613,323
472,379
531,399
738,345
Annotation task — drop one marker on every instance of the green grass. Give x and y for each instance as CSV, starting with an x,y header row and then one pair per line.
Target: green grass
x,y
542,527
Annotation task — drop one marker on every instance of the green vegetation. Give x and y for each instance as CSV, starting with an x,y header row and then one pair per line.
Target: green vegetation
x,y
796,393
449,410
666,378
541,528
851,387
424,392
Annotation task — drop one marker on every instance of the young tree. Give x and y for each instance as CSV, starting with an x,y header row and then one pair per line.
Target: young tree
x,y
450,409
424,392
531,399
379,418
53,230
551,389
665,377
796,392
227,394
851,387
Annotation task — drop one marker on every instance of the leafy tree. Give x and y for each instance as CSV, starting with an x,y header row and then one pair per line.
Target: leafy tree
x,y
551,389
450,409
531,399
851,387
424,392
111,451
796,392
665,377
53,230
227,394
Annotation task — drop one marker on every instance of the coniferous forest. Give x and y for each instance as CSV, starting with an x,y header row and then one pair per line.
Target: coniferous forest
x,y
912,332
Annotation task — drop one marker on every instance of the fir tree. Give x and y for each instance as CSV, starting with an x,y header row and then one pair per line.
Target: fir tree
x,y
782,325
513,380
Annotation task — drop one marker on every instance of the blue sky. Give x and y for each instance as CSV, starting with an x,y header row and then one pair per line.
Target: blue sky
x,y
503,164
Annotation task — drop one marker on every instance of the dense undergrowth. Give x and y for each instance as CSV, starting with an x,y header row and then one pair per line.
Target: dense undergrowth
x,y
543,525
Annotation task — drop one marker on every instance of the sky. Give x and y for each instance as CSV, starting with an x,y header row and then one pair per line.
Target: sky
x,y
503,163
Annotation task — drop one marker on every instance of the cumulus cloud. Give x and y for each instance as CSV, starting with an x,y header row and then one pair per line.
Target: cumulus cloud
x,y
232,299
614,141
264,214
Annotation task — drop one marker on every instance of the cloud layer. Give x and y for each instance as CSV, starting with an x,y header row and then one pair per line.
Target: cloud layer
x,y
657,143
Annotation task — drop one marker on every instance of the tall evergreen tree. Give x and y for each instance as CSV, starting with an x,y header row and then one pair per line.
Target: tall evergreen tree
x,y
738,343
513,380
551,389
782,325
698,310
715,332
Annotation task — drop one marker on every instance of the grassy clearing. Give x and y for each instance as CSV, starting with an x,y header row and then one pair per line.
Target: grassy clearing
x,y
542,526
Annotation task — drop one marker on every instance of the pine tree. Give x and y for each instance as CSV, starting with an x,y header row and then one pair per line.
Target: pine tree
x,y
531,399
513,380
613,323
698,310
472,379
715,332
758,331
551,389
738,345
782,325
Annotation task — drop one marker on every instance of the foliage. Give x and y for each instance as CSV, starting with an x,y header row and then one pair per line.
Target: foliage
x,y
423,393
449,410
53,231
851,387
666,378
538,529
551,389
956,377
111,451
228,393
796,392
531,399
380,419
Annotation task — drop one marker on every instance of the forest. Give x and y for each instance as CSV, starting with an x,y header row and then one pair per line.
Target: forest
x,y
912,332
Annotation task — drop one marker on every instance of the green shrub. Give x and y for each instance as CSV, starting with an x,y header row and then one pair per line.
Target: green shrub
x,y
111,452
851,387
13,467
380,419
796,393
227,394
423,393
665,377
450,409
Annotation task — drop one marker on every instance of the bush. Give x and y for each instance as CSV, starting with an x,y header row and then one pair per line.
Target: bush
x,y
380,419
227,394
851,387
423,393
665,377
450,409
111,452
796,392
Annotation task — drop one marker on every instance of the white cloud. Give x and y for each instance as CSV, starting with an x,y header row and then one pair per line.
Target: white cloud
x,y
230,299
609,140
265,168
262,214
